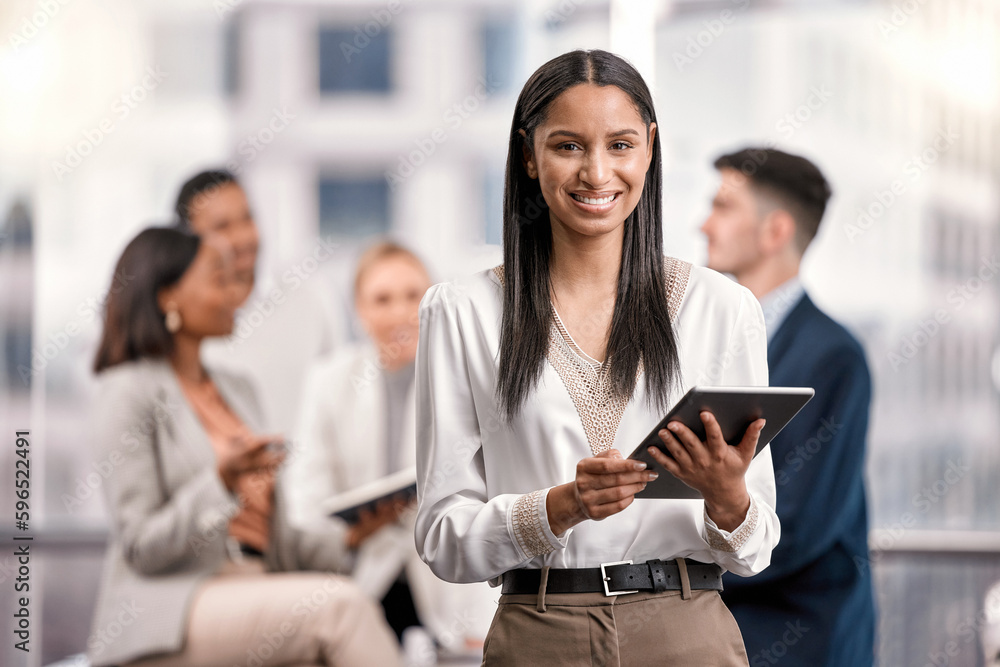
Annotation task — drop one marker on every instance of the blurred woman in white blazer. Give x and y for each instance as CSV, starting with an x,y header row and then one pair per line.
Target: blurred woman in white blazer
x,y
357,424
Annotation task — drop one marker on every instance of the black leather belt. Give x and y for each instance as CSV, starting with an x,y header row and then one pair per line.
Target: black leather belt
x,y
615,578
248,550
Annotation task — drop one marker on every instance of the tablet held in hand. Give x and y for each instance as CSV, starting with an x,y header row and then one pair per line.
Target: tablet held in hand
x,y
401,486
735,408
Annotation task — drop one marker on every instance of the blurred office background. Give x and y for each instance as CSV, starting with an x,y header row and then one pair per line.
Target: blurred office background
x,y
348,120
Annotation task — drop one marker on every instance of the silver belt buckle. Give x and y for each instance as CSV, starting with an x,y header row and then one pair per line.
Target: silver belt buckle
x,y
605,578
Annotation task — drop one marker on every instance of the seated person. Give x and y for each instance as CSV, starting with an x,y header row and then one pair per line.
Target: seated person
x,y
201,546
358,425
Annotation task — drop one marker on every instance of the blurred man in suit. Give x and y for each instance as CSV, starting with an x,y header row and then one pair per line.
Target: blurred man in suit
x,y
813,605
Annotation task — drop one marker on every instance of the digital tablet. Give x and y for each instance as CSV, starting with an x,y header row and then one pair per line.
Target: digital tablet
x,y
401,485
735,408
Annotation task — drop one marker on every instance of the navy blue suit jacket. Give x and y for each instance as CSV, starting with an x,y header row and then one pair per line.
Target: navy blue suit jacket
x,y
813,605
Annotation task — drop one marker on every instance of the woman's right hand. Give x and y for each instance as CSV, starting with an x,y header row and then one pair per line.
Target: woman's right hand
x,y
605,484
369,523
249,453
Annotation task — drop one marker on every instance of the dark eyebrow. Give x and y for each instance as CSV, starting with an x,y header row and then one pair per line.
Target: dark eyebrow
x,y
574,135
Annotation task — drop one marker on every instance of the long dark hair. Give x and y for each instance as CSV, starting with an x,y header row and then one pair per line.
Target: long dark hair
x,y
640,324
134,326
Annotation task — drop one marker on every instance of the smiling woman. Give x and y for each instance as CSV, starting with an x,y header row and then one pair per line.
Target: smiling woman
x,y
588,175
585,133
528,375
202,545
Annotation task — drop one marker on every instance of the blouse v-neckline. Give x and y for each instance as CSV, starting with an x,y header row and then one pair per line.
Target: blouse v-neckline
x,y
571,342
584,377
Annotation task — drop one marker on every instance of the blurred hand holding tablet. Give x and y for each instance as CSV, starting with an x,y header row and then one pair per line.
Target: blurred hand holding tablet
x,y
735,408
401,486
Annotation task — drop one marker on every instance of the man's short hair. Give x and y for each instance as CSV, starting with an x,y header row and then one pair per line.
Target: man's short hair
x,y
796,183
194,186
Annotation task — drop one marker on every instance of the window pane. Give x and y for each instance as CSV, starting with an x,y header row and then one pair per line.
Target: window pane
x,y
231,58
493,206
500,54
943,593
17,230
353,208
352,61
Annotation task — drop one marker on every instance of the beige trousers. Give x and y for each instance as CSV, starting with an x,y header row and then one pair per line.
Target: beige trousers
x,y
246,617
693,629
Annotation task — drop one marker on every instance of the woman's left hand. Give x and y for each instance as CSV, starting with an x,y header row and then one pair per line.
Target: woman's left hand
x,y
386,512
713,467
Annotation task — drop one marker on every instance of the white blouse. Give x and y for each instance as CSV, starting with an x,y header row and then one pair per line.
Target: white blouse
x,y
482,484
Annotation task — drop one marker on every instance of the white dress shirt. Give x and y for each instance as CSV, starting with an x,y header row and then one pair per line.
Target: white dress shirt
x,y
779,303
482,484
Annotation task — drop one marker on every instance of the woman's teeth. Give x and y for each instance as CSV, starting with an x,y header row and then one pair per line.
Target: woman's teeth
x,y
593,200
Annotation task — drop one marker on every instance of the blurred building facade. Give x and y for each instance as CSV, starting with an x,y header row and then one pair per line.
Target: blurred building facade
x,y
348,120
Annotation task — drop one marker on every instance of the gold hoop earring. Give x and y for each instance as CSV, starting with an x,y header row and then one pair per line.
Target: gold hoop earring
x,y
172,320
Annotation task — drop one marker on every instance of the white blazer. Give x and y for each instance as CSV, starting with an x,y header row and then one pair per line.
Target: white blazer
x,y
340,445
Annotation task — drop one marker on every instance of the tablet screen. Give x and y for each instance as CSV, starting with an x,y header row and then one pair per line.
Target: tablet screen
x,y
735,408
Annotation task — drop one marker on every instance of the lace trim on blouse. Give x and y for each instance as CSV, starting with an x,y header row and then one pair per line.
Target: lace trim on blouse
x,y
586,378
527,521
737,538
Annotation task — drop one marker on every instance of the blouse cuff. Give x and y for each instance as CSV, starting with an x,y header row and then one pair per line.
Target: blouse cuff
x,y
529,524
731,542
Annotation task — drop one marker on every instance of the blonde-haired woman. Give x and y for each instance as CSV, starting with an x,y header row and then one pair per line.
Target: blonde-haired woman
x,y
357,425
